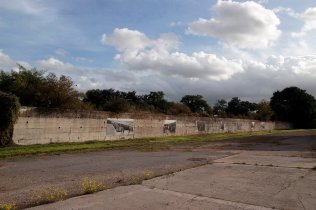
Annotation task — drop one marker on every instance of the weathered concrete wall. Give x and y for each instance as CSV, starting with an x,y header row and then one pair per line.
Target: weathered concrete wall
x,y
42,127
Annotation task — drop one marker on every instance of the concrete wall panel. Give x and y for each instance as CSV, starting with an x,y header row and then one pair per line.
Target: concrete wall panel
x,y
33,127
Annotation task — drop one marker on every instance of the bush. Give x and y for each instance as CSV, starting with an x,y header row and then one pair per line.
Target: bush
x,y
9,106
179,109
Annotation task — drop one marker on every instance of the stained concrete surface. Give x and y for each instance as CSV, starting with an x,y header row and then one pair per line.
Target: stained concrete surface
x,y
22,179
143,198
274,176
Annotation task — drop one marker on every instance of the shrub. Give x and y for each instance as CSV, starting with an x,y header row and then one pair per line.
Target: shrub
x,y
9,106
8,206
89,185
50,195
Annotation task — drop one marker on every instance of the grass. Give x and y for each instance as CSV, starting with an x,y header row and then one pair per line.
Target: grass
x,y
89,185
50,195
8,206
145,144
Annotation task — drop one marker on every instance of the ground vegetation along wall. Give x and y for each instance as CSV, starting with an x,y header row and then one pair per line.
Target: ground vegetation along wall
x,y
36,126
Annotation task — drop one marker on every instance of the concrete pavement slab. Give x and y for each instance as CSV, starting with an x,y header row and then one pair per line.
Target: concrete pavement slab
x,y
256,185
141,197
261,158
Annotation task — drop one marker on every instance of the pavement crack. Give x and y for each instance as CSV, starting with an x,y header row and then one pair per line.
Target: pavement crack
x,y
299,197
200,197
290,184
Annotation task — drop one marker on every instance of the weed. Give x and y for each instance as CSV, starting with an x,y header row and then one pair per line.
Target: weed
x,y
144,175
147,174
50,195
89,185
8,206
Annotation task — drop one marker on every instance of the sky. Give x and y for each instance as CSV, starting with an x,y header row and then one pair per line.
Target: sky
x,y
218,49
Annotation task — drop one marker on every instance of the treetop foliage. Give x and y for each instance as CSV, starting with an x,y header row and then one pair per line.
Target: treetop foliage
x,y
33,88
40,89
294,105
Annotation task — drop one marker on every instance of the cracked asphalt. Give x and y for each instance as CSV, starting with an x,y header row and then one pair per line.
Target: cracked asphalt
x,y
266,172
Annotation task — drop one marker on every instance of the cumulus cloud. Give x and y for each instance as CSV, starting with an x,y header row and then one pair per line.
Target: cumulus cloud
x,y
7,63
240,24
125,39
137,52
309,18
5,60
258,80
55,65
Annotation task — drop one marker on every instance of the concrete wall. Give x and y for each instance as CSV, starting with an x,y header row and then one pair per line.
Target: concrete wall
x,y
41,127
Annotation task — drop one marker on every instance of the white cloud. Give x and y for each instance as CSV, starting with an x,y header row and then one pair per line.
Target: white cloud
x,y
55,65
161,67
241,24
309,18
139,53
125,39
5,60
7,63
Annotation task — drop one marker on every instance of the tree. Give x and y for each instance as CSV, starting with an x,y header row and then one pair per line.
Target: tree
x,y
196,103
25,84
264,111
220,107
10,107
33,88
296,106
59,93
240,108
156,99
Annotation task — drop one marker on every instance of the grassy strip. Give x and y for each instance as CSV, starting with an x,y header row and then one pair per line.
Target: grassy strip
x,y
145,144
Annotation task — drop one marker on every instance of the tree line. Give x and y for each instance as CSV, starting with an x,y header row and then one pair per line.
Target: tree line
x,y
40,89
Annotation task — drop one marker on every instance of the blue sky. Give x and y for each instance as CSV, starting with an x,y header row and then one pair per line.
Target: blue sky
x,y
219,49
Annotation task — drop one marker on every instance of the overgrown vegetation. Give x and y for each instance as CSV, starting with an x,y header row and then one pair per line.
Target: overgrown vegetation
x,y
38,88
8,206
90,185
50,195
146,144
9,106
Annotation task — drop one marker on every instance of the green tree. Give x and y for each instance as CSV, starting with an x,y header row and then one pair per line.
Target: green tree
x,y
220,107
197,104
59,93
157,100
294,105
240,108
25,84
10,107
33,88
264,111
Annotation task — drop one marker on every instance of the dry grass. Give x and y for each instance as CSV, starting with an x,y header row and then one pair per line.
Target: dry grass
x,y
8,206
90,185
50,195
